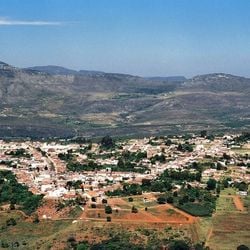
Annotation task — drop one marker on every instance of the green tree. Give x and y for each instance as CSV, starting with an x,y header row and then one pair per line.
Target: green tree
x,y
107,142
161,200
130,199
11,222
204,133
179,245
134,209
108,209
211,184
242,247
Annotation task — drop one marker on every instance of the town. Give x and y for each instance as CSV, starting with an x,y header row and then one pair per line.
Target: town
x,y
42,166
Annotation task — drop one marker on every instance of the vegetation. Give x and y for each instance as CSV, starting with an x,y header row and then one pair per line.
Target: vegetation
x,y
185,147
194,200
244,137
15,193
19,153
108,209
107,142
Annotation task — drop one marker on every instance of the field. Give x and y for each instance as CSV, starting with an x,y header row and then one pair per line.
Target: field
x,y
154,213
54,234
28,235
147,226
228,228
230,224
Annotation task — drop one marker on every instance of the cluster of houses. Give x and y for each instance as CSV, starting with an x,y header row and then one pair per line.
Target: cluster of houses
x,y
45,173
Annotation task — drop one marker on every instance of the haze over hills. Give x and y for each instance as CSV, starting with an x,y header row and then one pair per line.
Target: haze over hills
x,y
54,101
58,70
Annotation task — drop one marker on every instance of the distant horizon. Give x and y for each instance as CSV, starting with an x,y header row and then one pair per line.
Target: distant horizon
x,y
145,37
115,72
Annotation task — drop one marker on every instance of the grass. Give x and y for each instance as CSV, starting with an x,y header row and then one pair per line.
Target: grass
x,y
230,227
75,212
29,234
139,203
229,231
171,211
228,191
225,204
246,201
203,227
54,234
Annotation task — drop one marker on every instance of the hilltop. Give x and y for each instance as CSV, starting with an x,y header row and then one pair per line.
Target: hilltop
x,y
54,101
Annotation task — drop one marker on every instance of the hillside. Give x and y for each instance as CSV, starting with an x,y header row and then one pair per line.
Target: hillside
x,y
55,101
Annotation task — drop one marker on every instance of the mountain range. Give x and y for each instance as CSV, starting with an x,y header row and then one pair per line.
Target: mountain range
x,y
52,101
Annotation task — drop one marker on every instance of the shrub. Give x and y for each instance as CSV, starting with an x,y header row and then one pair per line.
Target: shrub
x,y
104,201
4,244
93,205
108,210
72,241
161,200
242,247
36,219
170,199
130,199
134,209
179,245
197,209
11,222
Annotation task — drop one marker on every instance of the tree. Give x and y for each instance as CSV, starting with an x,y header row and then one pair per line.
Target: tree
x,y
130,199
82,246
134,210
120,163
199,246
108,209
170,199
72,242
12,206
36,219
179,245
108,218
107,142
168,142
243,186
211,184
146,182
4,244
225,183
242,247
11,222
218,189
220,166
203,133
161,200
104,201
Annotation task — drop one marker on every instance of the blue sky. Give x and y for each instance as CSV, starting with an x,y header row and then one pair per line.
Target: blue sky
x,y
142,37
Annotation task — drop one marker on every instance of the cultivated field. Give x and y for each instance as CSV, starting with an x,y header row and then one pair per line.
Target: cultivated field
x,y
230,225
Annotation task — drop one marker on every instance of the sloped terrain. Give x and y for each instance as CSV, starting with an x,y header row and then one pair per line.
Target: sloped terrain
x,y
54,101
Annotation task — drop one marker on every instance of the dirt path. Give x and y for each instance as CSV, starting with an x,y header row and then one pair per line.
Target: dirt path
x,y
123,221
210,232
238,203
